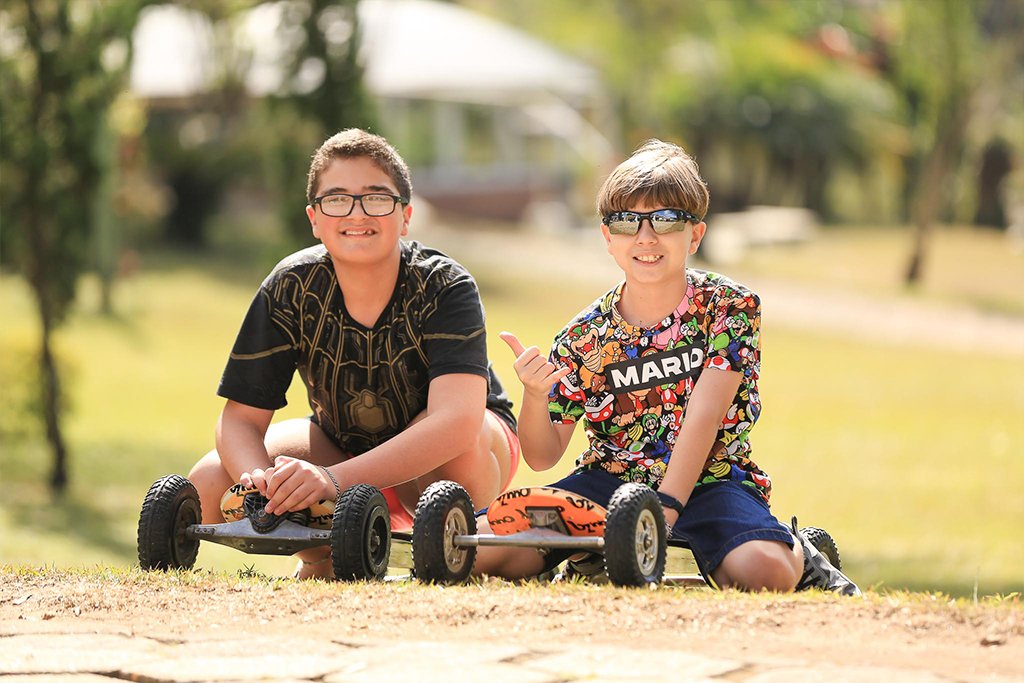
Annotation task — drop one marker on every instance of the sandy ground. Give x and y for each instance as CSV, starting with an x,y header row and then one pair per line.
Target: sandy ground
x,y
749,637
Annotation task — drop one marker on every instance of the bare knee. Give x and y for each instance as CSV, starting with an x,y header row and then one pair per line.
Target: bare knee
x,y
211,481
760,566
483,470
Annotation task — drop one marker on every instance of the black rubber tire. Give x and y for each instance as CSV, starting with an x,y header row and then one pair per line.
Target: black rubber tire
x,y
361,535
635,542
171,505
823,541
444,511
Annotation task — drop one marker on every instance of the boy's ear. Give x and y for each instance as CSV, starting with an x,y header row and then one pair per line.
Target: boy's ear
x,y
696,235
406,217
311,215
607,235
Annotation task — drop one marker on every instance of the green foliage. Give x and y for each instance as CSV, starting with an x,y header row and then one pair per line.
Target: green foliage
x,y
19,376
775,118
788,102
62,66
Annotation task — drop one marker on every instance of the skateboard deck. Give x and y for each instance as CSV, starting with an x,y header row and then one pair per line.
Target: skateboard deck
x,y
536,507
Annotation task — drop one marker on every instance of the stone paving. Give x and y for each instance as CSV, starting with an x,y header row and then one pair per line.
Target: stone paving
x,y
93,656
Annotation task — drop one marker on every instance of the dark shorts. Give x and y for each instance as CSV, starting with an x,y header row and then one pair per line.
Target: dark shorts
x,y
716,519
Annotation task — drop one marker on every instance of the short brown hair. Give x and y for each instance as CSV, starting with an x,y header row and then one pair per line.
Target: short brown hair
x,y
657,174
354,143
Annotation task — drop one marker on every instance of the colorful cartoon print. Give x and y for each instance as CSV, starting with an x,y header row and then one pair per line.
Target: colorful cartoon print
x,y
630,385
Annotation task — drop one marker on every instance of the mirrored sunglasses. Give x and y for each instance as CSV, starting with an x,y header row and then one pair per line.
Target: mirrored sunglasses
x,y
663,221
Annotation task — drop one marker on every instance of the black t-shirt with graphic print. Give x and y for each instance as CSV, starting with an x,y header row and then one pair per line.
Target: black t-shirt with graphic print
x,y
364,384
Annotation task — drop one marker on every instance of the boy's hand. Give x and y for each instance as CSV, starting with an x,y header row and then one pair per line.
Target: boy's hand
x,y
256,479
535,372
293,484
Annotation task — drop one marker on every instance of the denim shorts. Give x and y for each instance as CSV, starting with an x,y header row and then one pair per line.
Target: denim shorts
x,y
717,517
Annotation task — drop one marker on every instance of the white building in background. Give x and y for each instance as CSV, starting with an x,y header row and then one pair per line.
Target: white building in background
x,y
494,122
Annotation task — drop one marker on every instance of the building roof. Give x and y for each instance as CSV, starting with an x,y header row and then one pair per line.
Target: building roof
x,y
409,48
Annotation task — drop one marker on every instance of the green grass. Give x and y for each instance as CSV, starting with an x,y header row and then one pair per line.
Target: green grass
x,y
978,268
911,457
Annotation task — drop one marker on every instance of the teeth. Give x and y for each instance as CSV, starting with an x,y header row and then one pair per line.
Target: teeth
x,y
647,258
358,232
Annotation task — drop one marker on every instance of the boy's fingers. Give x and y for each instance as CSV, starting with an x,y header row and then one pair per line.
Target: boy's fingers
x,y
513,343
559,373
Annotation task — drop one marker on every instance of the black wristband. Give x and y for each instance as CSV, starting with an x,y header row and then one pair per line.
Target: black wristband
x,y
670,502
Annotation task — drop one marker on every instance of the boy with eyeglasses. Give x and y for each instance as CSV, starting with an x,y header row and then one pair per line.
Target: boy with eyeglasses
x,y
662,371
388,338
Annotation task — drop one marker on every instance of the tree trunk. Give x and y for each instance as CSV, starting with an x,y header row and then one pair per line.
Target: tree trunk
x,y
41,233
49,376
927,196
51,413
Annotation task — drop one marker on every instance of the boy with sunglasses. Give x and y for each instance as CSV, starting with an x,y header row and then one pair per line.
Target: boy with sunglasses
x,y
388,338
662,370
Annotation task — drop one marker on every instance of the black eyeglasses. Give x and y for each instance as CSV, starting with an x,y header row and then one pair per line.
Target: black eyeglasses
x,y
663,221
376,204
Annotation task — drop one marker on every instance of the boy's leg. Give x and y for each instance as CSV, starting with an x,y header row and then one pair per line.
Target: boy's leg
x,y
738,543
736,540
298,438
761,566
485,471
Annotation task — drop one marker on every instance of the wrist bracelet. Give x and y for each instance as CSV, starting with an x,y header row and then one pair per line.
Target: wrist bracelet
x,y
337,489
670,502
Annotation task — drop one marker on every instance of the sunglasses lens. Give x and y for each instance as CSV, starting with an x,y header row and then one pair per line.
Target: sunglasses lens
x,y
667,221
623,227
623,223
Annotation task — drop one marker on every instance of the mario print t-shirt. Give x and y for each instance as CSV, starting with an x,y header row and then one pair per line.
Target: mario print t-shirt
x,y
630,385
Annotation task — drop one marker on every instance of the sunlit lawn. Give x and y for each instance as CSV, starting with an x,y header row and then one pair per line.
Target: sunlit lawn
x,y
911,457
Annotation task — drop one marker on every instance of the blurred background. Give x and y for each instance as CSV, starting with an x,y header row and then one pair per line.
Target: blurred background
x,y
866,166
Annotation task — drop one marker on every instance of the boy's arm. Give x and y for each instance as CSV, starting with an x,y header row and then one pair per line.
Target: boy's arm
x,y
240,432
542,441
449,427
713,394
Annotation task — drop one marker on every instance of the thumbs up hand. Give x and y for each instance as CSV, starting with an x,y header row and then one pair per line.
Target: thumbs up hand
x,y
533,369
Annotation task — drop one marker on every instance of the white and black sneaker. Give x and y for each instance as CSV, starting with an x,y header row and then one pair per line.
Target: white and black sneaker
x,y
819,571
588,567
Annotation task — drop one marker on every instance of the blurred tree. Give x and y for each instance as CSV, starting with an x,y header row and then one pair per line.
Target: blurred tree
x,y
777,117
227,135
62,65
772,98
934,69
322,93
956,67
200,144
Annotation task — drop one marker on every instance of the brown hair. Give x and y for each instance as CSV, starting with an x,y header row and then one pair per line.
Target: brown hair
x,y
353,143
657,174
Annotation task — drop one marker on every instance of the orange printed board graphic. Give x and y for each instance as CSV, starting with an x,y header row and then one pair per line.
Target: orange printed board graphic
x,y
510,513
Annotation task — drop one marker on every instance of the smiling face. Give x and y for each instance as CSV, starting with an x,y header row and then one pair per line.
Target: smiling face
x,y
358,239
650,259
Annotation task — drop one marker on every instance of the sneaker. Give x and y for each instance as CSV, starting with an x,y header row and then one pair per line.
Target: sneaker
x,y
588,567
819,572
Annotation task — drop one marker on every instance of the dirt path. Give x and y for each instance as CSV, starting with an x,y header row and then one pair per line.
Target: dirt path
x,y
200,627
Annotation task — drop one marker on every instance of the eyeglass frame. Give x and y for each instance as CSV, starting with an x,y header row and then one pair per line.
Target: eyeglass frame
x,y
670,226
318,201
